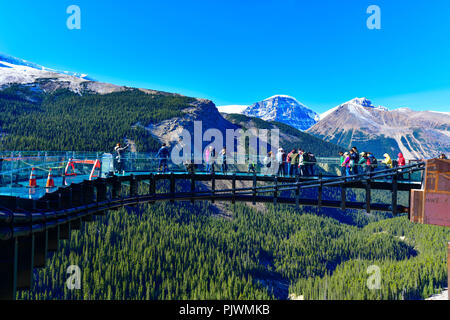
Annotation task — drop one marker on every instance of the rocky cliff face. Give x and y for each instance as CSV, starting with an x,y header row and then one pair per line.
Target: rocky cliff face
x,y
417,134
203,110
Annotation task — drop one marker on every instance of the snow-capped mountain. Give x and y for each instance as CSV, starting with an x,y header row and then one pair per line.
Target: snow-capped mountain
x,y
17,71
417,134
283,109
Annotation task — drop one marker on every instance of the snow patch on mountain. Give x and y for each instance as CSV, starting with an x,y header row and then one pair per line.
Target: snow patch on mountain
x,y
22,72
232,109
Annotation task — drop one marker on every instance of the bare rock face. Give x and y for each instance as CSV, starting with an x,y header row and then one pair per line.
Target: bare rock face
x,y
168,131
417,134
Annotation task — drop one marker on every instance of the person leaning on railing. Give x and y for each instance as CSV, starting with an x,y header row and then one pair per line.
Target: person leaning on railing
x,y
362,163
119,157
163,156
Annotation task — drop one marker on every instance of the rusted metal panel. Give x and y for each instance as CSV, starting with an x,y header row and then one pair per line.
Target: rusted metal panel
x,y
448,267
416,207
434,207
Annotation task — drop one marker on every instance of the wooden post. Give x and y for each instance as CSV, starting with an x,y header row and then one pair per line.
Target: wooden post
x,y
368,192
343,196
75,224
64,231
116,188
448,269
213,186
192,187
133,186
297,194
254,188
40,248
319,202
394,194
8,269
275,192
53,239
152,187
233,186
172,187
25,263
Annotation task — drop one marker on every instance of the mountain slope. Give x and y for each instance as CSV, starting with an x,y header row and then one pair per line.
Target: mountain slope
x,y
283,109
17,71
290,137
417,134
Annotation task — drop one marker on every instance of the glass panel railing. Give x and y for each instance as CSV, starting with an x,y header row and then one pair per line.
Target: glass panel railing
x,y
70,167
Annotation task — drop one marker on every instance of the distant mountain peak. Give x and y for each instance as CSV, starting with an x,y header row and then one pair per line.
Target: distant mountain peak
x,y
417,134
363,102
285,109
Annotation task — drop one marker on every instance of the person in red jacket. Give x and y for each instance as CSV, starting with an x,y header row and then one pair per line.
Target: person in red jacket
x,y
401,160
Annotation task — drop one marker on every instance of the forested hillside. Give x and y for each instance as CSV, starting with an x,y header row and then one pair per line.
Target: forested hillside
x,y
182,251
63,120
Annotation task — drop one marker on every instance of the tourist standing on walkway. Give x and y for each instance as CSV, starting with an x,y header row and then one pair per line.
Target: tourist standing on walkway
x,y
281,161
210,153
251,164
401,160
354,158
301,163
120,157
311,163
387,161
294,162
163,157
288,161
267,163
346,164
223,155
362,163
341,161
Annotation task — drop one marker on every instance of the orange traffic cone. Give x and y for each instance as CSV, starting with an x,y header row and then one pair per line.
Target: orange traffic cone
x,y
50,182
32,183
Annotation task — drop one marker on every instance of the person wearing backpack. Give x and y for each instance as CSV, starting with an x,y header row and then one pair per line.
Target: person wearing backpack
x,y
372,161
362,163
356,160
288,161
294,162
354,157
312,163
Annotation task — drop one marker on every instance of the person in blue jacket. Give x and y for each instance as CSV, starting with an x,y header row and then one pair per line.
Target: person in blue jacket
x,y
163,157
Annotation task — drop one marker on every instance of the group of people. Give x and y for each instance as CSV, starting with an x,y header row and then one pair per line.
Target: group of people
x,y
297,162
353,163
211,158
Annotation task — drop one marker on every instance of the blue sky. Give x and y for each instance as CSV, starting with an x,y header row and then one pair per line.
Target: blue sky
x,y
240,52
